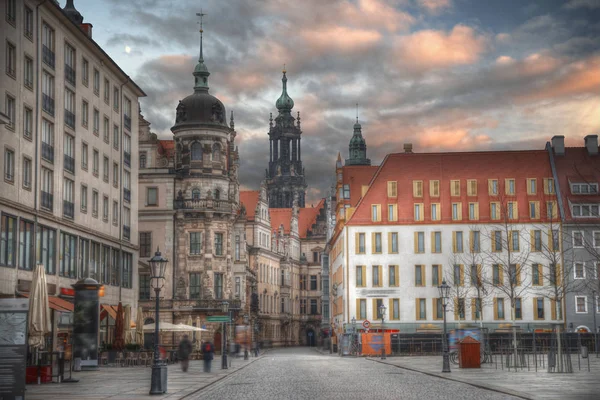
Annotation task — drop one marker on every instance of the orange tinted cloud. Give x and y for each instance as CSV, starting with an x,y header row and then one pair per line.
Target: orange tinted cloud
x,y
437,49
435,6
340,38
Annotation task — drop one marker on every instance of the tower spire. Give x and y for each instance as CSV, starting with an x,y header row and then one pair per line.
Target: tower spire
x,y
284,102
357,113
201,71
201,15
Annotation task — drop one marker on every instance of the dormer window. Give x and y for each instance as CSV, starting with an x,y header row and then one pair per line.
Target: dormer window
x,y
196,151
584,188
586,210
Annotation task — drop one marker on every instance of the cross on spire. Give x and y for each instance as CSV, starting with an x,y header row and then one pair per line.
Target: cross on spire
x,y
201,15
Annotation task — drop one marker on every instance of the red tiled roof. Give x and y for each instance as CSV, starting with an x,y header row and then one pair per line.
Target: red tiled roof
x,y
356,176
281,216
166,147
406,167
249,198
576,166
56,303
308,217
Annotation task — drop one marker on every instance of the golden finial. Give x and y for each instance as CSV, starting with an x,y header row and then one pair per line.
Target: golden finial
x,y
284,71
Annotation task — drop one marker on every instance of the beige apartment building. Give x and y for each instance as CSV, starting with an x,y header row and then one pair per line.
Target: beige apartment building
x,y
69,156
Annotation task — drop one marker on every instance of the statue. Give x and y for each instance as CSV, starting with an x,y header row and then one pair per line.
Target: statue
x,y
217,112
181,113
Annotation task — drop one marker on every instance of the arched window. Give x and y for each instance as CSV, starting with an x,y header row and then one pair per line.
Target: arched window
x,y
142,160
217,194
216,152
196,151
196,194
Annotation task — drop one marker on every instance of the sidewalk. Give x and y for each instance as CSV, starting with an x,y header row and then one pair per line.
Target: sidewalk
x,y
541,385
128,383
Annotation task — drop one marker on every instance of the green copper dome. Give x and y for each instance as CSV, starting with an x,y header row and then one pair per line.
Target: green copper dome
x,y
284,102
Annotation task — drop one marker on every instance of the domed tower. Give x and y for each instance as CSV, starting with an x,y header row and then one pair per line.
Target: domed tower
x,y
358,147
206,192
285,175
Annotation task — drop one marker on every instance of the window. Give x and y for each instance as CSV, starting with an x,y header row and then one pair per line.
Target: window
x,y
377,276
46,250
360,243
531,186
237,254
96,82
376,242
394,313
361,309
514,241
457,242
495,210
475,242
115,212
537,277
419,212
436,242
8,248
48,93
11,11
498,308
196,151
9,165
28,23
68,198
216,152
419,275
26,173
475,275
536,240
518,308
151,196
436,275
106,130
116,98
538,308
27,122
419,242
346,190
360,276
84,113
96,121
496,241
497,275
393,278
509,188
421,309
11,61
85,72
473,211
48,45
392,189
106,91
70,64
375,212
554,240
393,242
534,209
585,210
459,308
195,243
584,188
493,187
11,112
549,186
105,208
514,274
70,108
471,187
512,209
84,156
456,211
434,188
68,259
392,212
26,245
579,270
438,309
313,282
551,210
435,212
195,285
105,169
69,150
142,160
96,162
47,189
126,282
580,304
218,244
116,137
144,287
218,286
84,198
455,187
28,73
577,239
458,275
417,188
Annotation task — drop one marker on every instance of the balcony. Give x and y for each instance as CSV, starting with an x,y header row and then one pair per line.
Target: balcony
x,y
48,104
68,209
221,206
127,195
127,158
70,119
48,152
47,200
48,56
127,122
69,163
126,232
70,74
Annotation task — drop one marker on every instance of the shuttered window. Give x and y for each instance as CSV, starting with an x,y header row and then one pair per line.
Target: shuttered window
x,y
455,188
360,243
417,188
434,188
392,189
456,211
393,276
421,309
471,187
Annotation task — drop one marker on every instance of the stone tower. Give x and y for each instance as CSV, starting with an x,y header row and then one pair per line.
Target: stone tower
x,y
358,148
285,175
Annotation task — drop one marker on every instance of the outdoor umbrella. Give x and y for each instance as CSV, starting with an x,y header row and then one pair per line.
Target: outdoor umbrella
x,y
169,327
139,327
119,342
199,336
39,310
127,325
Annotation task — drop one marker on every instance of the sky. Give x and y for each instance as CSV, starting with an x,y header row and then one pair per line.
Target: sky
x,y
444,75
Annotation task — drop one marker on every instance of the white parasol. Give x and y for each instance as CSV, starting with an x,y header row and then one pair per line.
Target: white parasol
x,y
39,310
127,326
169,327
139,327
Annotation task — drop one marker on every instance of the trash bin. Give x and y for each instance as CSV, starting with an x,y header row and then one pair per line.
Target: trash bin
x,y
469,353
77,364
584,352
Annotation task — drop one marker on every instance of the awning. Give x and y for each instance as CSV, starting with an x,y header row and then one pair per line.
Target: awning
x,y
112,311
56,303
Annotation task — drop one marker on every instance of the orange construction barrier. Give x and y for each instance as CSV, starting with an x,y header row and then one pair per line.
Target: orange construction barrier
x,y
372,343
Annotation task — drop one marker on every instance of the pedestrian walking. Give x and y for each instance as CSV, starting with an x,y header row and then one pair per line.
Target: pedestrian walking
x,y
208,350
185,349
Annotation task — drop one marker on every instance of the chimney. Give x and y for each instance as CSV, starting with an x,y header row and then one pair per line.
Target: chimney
x,y
558,145
87,29
408,147
591,144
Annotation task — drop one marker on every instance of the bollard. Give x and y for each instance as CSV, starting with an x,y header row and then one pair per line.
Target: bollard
x,y
383,353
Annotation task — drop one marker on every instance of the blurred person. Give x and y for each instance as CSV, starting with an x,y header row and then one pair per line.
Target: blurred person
x,y
185,349
208,350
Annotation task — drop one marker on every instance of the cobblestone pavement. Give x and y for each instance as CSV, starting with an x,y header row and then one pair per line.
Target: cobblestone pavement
x,y
303,373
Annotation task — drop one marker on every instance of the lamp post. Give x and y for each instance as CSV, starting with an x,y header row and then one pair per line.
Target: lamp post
x,y
158,383
353,343
382,312
444,291
225,309
594,310
246,319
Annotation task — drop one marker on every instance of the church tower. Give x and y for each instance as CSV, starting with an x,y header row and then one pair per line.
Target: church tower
x,y
285,175
358,147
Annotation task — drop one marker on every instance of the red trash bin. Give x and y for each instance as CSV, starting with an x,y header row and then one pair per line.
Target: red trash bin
x,y
469,353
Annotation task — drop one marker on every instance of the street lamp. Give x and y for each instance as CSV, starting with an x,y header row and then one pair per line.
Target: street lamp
x,y
594,310
353,344
225,309
444,291
158,383
246,319
382,312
